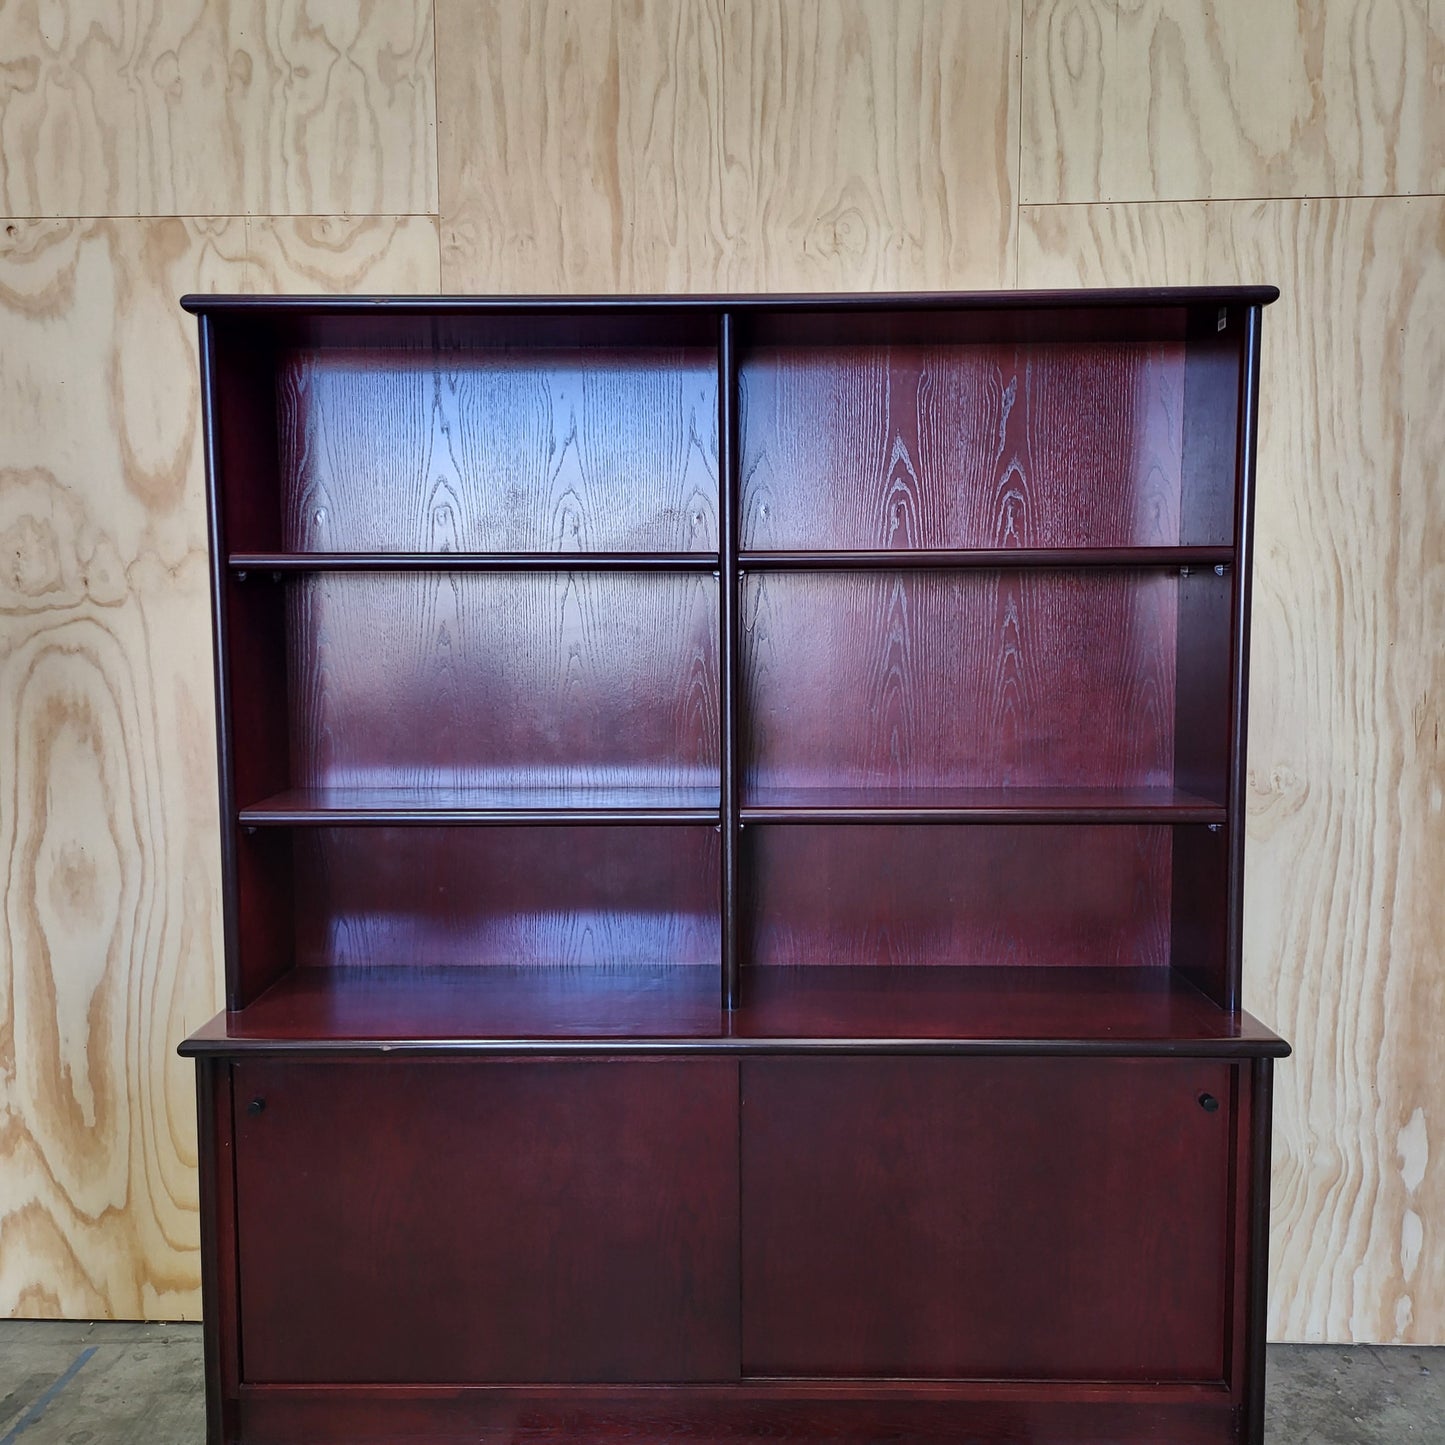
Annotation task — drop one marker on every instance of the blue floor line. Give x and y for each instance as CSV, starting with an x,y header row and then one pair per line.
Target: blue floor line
x,y
38,1408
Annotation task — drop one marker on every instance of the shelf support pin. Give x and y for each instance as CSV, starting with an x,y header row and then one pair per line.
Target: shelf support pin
x,y
1220,569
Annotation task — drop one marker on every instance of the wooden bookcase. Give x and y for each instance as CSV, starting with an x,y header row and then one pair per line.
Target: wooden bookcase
x,y
733,838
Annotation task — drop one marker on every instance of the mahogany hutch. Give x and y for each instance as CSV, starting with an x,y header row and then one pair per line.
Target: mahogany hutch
x,y
733,838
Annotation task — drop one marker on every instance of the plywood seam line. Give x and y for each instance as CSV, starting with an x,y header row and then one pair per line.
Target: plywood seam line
x,y
1018,101
245,216
1231,200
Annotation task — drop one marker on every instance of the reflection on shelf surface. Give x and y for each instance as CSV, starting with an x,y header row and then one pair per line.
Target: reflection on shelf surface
x,y
1080,1009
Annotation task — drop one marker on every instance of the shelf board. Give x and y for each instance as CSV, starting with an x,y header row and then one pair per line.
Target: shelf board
x,y
979,805
819,1009
437,807
985,557
290,562
994,1010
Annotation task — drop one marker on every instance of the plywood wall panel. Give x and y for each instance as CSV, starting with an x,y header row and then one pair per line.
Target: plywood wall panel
x,y
870,144
641,145
1345,907
109,867
184,107
1139,100
579,145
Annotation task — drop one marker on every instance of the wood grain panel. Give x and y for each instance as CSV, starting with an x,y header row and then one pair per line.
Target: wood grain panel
x,y
870,144
109,889
579,145
542,679
998,1219
602,898
456,1222
1021,679
907,446
1344,909
1028,895
519,451
183,107
1172,100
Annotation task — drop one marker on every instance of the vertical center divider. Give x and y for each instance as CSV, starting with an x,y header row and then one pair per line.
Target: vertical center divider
x,y
729,696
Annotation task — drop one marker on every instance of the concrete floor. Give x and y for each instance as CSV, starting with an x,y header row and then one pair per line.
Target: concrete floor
x,y
110,1384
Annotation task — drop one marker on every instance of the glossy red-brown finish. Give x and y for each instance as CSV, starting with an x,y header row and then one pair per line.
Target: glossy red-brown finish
x,y
1210,443
979,805
1036,895
279,564
901,446
569,897
503,680
1033,1012
626,707
254,704
480,1011
431,807
983,679
216,1178
837,559
485,450
1040,1219
416,1221
824,1415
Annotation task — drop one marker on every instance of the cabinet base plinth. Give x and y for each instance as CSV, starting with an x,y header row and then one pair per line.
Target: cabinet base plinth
x,y
479,1415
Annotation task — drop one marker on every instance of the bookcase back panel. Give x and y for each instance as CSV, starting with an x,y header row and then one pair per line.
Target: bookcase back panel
x,y
476,680
1029,679
1031,895
1067,444
498,450
601,897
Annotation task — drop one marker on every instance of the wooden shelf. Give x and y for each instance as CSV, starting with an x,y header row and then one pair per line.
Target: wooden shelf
x,y
1060,1011
993,557
324,1007
292,562
434,807
979,805
995,1010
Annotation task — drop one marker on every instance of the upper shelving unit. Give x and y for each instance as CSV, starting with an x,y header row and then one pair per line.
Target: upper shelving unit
x,y
728,635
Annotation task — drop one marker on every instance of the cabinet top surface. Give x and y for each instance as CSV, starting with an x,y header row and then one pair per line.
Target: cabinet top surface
x,y
863,301
1131,1012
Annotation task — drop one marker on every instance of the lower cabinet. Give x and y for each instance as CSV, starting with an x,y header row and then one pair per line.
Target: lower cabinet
x,y
413,1221
1029,1241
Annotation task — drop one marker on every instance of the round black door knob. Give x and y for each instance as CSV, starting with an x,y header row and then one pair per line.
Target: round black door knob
x,y
256,1106
1207,1102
